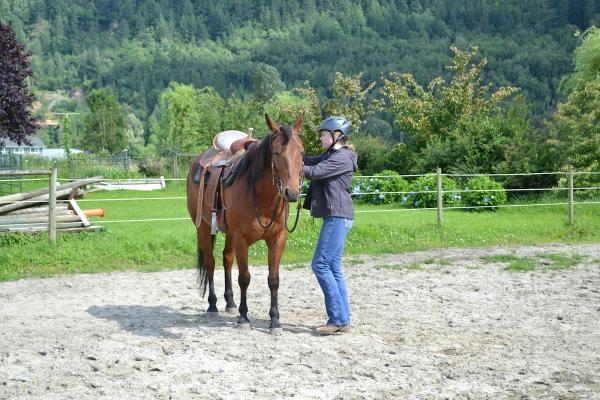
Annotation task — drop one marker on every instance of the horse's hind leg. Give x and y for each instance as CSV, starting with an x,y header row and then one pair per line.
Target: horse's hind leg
x,y
206,264
228,256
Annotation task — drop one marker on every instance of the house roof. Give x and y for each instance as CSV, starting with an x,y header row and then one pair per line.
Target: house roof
x,y
35,142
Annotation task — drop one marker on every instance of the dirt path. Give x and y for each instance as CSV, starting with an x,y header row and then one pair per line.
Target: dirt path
x,y
436,324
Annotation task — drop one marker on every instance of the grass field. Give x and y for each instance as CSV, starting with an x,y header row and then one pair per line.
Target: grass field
x,y
159,245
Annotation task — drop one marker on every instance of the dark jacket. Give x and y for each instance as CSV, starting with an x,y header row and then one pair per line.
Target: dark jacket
x,y
331,176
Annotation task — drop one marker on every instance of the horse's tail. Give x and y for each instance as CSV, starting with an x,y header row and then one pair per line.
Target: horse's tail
x,y
202,273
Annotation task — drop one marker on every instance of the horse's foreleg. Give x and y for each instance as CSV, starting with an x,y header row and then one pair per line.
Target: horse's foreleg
x,y
275,247
241,255
206,262
227,265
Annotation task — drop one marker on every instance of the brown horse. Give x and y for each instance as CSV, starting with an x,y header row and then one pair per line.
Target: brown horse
x,y
254,199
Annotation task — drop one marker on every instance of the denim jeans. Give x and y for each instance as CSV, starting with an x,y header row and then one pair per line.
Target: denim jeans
x,y
327,266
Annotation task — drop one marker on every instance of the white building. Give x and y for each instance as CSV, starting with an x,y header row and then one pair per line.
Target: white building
x,y
36,147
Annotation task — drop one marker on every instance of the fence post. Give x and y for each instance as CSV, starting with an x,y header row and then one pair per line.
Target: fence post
x,y
175,166
440,199
52,206
571,211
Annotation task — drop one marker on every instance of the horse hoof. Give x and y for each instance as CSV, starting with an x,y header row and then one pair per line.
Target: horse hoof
x,y
231,310
212,314
243,326
276,331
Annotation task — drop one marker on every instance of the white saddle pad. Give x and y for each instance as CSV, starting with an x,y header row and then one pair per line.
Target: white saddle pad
x,y
224,139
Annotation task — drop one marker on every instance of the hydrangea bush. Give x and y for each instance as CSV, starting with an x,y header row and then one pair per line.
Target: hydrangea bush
x,y
383,188
483,193
423,192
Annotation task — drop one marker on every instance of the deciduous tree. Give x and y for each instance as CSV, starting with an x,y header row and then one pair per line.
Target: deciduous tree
x,y
16,122
104,125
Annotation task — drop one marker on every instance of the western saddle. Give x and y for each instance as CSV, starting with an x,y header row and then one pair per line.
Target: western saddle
x,y
212,167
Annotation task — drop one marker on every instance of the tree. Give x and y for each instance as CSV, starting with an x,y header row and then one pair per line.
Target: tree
x,y
576,132
450,125
266,82
349,99
286,107
16,122
104,125
186,119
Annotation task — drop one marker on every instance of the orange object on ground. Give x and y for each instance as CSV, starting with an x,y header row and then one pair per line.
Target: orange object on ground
x,y
95,212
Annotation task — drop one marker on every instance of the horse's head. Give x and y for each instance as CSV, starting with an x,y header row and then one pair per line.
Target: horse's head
x,y
286,157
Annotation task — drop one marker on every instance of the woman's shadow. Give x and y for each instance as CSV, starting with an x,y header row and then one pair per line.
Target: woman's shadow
x,y
156,320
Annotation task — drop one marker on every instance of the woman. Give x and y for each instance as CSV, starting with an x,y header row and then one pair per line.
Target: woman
x,y
331,175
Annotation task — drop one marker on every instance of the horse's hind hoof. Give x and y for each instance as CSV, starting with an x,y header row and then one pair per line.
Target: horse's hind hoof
x,y
276,331
212,314
231,310
243,326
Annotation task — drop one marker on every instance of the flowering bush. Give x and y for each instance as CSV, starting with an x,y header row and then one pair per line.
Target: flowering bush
x,y
428,184
381,188
482,191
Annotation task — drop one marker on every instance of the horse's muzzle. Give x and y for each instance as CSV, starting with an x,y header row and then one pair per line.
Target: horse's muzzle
x,y
291,195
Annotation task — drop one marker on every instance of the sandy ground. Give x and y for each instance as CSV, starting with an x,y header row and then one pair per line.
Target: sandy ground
x,y
457,327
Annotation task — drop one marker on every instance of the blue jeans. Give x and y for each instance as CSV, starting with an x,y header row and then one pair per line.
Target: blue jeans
x,y
327,266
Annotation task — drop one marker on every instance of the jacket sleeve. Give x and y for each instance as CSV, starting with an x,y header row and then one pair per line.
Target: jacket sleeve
x,y
336,164
312,160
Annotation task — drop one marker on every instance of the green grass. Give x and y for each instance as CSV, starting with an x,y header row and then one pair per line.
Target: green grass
x,y
160,245
541,261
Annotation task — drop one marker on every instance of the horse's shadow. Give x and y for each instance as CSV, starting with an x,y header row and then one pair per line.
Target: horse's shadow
x,y
156,320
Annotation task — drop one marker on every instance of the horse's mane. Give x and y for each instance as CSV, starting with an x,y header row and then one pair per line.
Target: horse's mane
x,y
256,159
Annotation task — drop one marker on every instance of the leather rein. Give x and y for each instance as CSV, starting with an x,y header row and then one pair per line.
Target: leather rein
x,y
278,183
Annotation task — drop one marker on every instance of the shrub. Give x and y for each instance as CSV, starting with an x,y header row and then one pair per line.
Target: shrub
x,y
482,191
379,187
582,180
428,183
152,166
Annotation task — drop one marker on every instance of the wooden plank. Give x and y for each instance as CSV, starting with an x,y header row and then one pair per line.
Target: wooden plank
x,y
80,213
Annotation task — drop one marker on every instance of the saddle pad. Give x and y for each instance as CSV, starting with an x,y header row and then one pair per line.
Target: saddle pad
x,y
224,139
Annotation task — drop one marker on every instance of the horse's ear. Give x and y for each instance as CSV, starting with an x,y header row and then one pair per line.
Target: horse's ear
x,y
273,126
298,124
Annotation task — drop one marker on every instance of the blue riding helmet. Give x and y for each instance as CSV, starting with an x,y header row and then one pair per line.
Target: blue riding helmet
x,y
336,123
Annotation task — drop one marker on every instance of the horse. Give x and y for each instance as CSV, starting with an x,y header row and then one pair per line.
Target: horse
x,y
254,198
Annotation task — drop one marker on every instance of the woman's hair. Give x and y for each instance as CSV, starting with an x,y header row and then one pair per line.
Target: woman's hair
x,y
344,141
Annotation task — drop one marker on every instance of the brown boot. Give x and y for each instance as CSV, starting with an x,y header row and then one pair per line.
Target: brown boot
x,y
328,329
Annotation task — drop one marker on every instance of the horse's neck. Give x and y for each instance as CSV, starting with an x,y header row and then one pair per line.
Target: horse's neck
x,y
265,188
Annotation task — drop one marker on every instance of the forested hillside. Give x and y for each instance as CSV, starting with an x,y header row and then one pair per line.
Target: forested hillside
x,y
481,86
139,46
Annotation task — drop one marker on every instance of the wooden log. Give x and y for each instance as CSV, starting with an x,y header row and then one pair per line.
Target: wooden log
x,y
42,214
31,228
44,191
35,210
34,200
41,219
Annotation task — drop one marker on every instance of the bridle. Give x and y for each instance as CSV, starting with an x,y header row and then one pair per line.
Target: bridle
x,y
278,183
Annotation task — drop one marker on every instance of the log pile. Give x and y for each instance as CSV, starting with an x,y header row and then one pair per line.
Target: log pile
x,y
29,211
